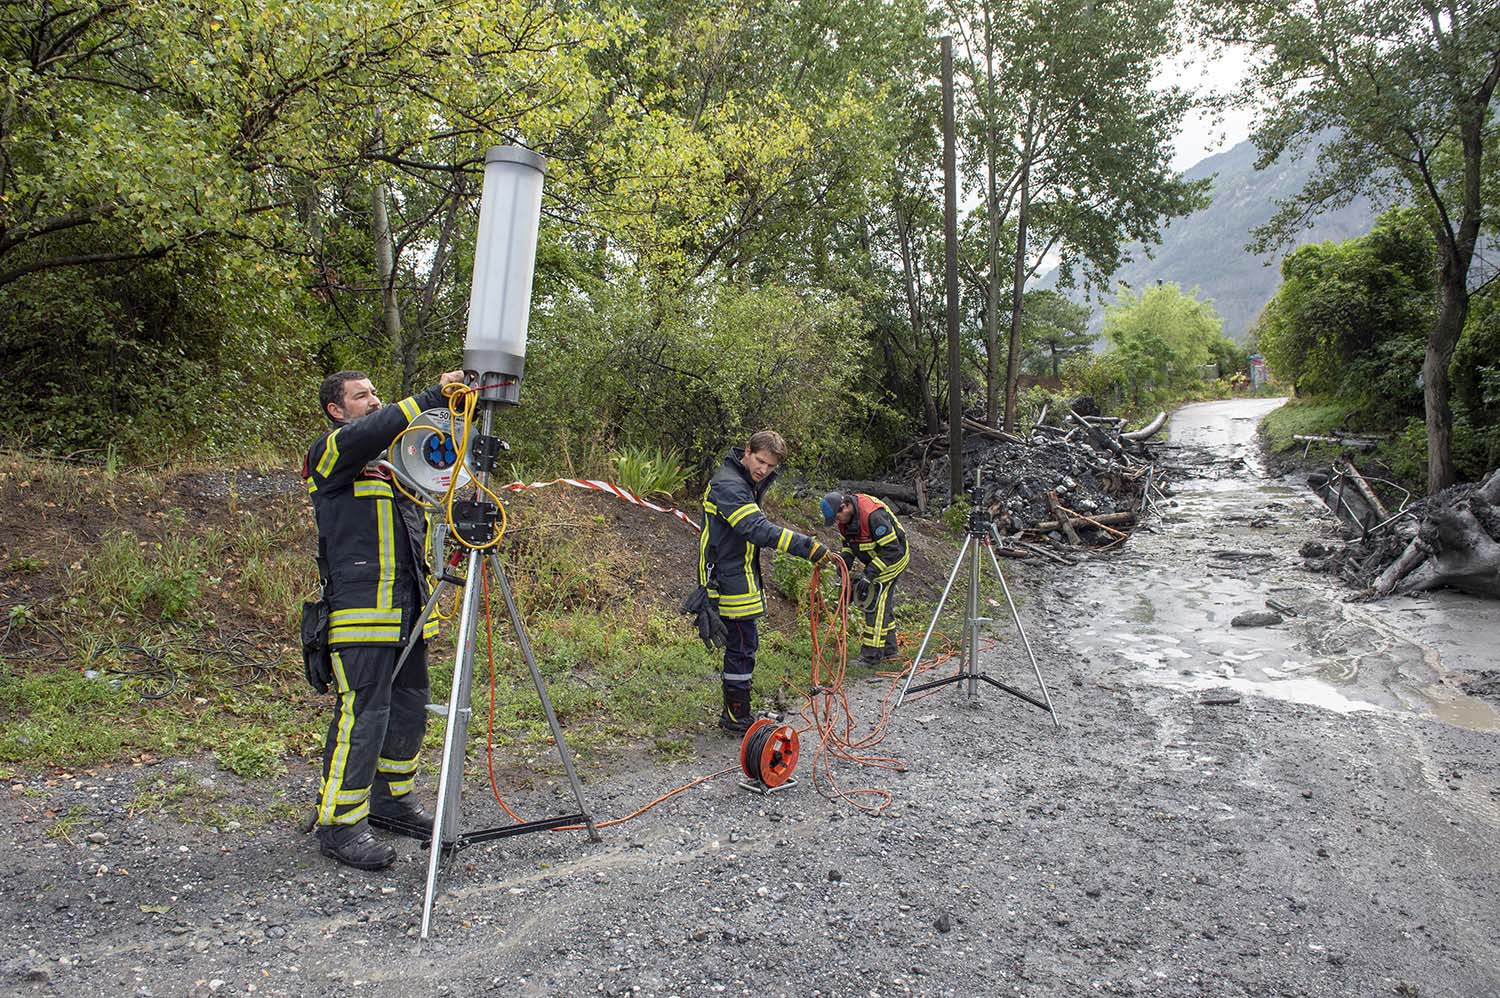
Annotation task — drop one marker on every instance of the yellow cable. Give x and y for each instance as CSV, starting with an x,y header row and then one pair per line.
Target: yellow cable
x,y
462,401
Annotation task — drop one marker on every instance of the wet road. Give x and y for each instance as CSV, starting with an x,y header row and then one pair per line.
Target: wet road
x,y
1227,544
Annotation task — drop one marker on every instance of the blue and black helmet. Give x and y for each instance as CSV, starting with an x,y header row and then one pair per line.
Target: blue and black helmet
x,y
831,503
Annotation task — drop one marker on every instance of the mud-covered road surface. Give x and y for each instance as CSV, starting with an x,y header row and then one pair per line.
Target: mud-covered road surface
x,y
1303,809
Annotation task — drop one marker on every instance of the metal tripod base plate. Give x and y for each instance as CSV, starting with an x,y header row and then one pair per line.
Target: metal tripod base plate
x,y
757,787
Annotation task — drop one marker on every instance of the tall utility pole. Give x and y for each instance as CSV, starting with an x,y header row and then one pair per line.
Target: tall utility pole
x,y
950,240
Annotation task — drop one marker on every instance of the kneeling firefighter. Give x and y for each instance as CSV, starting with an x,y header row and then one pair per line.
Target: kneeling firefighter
x,y
729,578
870,533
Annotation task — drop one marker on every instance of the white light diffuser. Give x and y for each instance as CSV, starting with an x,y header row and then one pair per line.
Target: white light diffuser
x,y
510,209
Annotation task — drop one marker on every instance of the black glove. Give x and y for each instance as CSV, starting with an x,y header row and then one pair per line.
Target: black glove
x,y
817,553
706,615
863,589
317,662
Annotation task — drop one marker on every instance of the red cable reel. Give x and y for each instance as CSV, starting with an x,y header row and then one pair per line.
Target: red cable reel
x,y
768,753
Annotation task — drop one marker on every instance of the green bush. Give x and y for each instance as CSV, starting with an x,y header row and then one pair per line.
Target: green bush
x,y
792,577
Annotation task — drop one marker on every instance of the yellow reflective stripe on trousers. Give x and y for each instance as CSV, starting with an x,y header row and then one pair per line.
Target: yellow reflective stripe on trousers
x,y
340,758
352,817
384,765
330,454
400,788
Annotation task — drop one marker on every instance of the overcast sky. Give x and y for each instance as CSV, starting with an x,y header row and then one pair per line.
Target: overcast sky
x,y
1219,73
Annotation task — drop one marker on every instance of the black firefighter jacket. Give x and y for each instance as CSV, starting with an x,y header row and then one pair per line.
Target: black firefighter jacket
x,y
371,538
734,531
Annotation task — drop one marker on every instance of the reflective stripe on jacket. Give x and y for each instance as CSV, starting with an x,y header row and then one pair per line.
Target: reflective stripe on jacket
x,y
874,535
372,539
734,531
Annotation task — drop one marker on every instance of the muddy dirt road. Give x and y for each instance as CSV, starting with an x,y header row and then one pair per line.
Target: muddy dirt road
x,y
1329,833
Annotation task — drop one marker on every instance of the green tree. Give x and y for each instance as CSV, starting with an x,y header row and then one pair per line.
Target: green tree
x,y
1053,329
1162,337
1351,318
1069,142
1406,86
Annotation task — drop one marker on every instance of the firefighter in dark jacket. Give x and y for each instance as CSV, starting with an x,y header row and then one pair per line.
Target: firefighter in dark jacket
x,y
872,534
734,531
372,558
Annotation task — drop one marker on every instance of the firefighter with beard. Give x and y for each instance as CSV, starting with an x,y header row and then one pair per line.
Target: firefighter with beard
x,y
372,560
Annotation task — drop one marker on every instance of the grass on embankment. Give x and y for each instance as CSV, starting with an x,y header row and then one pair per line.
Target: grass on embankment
x,y
140,620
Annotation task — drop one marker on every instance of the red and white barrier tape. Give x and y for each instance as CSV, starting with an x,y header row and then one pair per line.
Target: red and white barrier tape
x,y
598,486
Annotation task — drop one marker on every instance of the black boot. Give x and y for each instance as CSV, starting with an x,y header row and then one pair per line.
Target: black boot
x,y
354,845
869,658
891,651
404,814
736,718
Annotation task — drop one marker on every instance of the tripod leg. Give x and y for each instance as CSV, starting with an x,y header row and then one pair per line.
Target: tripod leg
x,y
1019,629
541,692
416,629
972,620
451,776
917,662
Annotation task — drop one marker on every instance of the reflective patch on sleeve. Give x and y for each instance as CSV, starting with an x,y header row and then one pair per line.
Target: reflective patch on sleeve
x,y
330,454
744,511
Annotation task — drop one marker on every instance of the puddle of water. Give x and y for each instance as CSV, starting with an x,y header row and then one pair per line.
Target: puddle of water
x,y
1163,607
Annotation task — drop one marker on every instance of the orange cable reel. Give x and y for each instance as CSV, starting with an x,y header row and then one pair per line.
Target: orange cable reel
x,y
768,753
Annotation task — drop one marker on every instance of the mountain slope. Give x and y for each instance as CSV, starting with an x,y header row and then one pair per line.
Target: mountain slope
x,y
1207,249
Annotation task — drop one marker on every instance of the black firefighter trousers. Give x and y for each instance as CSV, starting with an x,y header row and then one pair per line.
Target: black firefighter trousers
x,y
376,732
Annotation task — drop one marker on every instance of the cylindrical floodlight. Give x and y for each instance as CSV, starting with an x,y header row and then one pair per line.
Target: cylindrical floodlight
x,y
504,261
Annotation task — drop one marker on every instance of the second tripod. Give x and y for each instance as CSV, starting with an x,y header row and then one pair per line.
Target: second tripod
x,y
982,536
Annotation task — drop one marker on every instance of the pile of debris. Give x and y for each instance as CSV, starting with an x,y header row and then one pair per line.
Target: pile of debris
x,y
1076,481
1450,539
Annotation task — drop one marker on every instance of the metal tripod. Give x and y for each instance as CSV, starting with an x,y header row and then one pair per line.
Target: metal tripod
x,y
982,534
475,521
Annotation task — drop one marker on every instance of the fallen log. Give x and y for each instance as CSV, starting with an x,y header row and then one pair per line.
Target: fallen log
x,y
1063,521
1356,443
989,431
1038,549
1367,492
885,490
1113,519
1148,431
1094,433
1454,547
1086,519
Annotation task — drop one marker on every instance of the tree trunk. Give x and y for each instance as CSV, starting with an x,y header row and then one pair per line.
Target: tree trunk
x,y
385,267
914,315
1018,285
1441,342
992,209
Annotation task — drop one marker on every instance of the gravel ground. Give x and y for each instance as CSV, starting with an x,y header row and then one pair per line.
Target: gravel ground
x,y
1155,845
